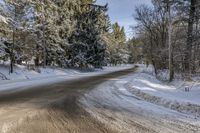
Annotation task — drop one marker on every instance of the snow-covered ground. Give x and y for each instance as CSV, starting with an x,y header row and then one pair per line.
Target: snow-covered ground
x,y
23,78
141,103
170,95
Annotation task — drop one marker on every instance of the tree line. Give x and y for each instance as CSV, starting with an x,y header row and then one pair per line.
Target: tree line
x,y
64,33
168,36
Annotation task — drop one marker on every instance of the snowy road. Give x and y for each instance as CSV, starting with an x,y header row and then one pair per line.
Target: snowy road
x,y
94,104
52,108
112,104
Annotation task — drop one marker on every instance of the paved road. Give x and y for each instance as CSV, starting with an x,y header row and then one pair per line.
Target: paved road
x,y
52,108
97,104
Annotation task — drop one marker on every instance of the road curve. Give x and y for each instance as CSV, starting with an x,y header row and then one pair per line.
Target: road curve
x,y
52,108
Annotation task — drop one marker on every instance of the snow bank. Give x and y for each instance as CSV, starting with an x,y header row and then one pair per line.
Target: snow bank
x,y
170,95
121,110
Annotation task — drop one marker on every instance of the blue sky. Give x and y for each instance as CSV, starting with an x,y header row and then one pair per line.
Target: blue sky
x,y
122,11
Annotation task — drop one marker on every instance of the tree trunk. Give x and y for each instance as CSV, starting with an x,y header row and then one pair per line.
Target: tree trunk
x,y
13,45
43,40
37,59
188,50
171,71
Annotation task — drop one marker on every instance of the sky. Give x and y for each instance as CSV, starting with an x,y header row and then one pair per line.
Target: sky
x,y
122,11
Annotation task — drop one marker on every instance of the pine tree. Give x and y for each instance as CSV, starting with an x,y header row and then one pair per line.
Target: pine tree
x,y
16,10
62,33
4,29
120,53
88,49
66,25
45,14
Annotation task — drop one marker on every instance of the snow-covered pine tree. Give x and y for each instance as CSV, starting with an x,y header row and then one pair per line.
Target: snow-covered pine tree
x,y
15,11
3,31
66,24
87,48
45,26
117,48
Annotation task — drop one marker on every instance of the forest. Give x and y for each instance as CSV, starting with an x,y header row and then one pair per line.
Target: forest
x,y
64,33
79,34
168,36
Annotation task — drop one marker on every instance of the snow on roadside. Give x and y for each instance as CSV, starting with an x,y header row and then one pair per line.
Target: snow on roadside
x,y
169,95
22,78
136,103
112,104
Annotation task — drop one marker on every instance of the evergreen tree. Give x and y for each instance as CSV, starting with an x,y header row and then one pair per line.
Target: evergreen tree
x,y
62,33
119,33
87,48
16,14
119,53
